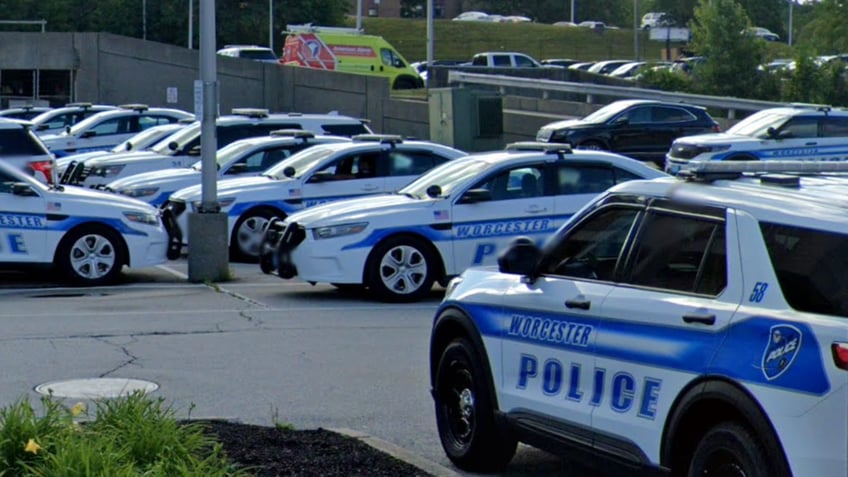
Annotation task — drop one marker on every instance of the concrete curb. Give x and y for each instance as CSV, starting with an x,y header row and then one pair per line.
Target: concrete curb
x,y
426,465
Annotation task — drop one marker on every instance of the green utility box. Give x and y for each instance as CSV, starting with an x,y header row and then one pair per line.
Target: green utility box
x,y
467,119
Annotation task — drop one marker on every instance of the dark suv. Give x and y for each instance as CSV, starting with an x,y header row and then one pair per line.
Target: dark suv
x,y
641,129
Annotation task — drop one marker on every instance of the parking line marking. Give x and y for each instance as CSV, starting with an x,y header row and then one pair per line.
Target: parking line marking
x,y
170,270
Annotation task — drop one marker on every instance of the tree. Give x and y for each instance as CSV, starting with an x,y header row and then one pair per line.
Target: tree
x,y
827,30
732,56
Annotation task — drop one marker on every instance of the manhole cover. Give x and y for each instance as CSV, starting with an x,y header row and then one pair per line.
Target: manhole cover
x,y
95,388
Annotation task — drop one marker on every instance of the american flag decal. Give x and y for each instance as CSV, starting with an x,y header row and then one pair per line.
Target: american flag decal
x,y
54,206
440,214
294,192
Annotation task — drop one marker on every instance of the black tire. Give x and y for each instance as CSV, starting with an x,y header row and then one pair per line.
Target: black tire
x,y
592,145
727,450
91,256
348,287
465,413
248,233
401,269
405,83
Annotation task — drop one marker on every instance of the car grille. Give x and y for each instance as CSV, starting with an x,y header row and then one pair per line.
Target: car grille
x,y
686,151
177,207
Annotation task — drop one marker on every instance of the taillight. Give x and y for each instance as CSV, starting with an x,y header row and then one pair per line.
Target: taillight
x,y
840,354
45,168
716,128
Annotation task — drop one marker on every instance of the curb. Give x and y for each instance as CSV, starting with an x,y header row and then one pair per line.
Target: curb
x,y
432,468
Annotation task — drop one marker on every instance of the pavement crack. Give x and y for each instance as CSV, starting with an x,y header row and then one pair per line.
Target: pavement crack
x,y
131,358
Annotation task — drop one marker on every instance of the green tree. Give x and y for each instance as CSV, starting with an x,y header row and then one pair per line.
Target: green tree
x,y
827,30
731,55
802,84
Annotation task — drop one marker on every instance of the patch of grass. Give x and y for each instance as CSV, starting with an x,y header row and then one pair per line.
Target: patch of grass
x,y
132,435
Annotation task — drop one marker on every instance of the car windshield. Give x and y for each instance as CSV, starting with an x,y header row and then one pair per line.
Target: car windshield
x,y
302,162
258,54
142,140
227,154
448,177
181,137
605,113
85,124
757,125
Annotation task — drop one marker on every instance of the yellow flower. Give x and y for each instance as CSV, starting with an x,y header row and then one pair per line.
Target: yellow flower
x,y
32,447
78,409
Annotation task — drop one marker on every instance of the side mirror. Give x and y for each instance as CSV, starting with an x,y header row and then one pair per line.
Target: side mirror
x,y
238,168
321,176
621,121
23,189
67,129
289,171
434,192
173,145
129,146
521,257
473,196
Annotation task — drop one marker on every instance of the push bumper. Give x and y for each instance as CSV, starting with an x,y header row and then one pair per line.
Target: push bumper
x,y
278,240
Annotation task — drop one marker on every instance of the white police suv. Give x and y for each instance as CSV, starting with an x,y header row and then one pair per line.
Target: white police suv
x,y
106,129
56,120
811,132
371,164
21,148
692,327
87,235
244,158
183,148
457,215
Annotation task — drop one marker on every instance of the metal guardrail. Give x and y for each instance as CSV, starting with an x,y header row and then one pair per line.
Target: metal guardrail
x,y
591,90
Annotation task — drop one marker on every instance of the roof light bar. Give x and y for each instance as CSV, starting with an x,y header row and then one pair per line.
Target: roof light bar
x,y
546,147
381,138
298,133
78,105
765,166
134,107
251,112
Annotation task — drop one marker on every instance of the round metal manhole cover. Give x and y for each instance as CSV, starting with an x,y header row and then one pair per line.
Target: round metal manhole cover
x,y
95,388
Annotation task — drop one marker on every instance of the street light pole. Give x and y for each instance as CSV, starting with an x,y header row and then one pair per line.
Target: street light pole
x,y
572,12
636,28
271,24
143,19
791,3
190,24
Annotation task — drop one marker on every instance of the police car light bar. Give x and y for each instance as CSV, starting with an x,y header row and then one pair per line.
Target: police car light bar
x,y
546,147
765,166
251,112
381,138
78,105
134,107
298,133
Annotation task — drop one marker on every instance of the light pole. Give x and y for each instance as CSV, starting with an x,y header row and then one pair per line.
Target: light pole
x,y
791,3
271,24
572,12
190,24
143,19
636,28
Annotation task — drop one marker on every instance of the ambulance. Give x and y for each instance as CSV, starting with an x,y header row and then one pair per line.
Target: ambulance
x,y
347,50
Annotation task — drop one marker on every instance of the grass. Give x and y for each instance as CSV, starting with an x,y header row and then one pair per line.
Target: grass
x,y
461,40
133,435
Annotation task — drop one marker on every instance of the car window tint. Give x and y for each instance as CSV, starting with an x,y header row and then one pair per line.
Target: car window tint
x,y
479,61
664,114
347,130
253,162
584,179
681,253
386,56
501,60
810,267
639,115
622,175
18,142
354,166
592,248
800,127
516,183
111,126
835,127
523,61
408,163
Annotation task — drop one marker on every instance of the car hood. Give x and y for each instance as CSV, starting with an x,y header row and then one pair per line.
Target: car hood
x,y
124,158
715,138
397,207
93,196
241,187
64,161
566,123
154,178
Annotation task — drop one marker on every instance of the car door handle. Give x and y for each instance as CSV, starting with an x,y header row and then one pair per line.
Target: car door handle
x,y
370,187
535,209
698,318
579,304
810,143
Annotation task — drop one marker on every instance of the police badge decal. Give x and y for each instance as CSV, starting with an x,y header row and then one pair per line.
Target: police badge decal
x,y
782,348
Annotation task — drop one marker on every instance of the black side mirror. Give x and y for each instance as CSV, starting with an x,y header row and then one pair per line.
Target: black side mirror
x,y
434,191
173,145
68,129
289,171
239,168
23,189
129,146
621,121
42,127
521,257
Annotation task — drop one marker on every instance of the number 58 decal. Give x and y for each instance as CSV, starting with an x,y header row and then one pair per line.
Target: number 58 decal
x,y
759,292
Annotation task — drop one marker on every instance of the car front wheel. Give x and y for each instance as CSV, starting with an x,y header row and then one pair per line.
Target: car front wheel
x,y
401,269
248,234
729,450
465,412
91,256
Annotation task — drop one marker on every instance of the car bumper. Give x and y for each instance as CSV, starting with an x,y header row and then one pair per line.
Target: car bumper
x,y
147,250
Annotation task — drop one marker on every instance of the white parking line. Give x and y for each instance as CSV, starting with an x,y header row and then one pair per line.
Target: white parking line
x,y
170,270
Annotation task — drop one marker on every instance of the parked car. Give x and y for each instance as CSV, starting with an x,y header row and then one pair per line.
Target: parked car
x,y
582,66
458,215
811,132
107,129
504,59
683,328
56,120
641,129
250,52
763,33
607,66
26,112
596,25
656,19
560,62
471,16
565,24
22,149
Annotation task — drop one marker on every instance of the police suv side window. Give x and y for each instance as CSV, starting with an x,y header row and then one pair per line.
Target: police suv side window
x,y
800,127
592,248
834,126
517,183
346,130
810,267
412,163
681,253
17,141
584,179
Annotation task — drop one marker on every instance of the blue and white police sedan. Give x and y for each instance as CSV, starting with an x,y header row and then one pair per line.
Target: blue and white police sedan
x,y
672,327
457,215
244,158
371,164
87,235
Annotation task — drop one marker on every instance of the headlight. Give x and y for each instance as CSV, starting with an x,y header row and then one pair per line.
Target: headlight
x,y
107,171
139,192
142,218
338,230
224,202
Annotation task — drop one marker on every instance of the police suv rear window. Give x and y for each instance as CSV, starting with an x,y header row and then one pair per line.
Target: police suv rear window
x,y
347,130
18,142
810,267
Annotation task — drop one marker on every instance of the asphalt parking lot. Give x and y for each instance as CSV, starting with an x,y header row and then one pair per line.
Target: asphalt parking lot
x,y
257,349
